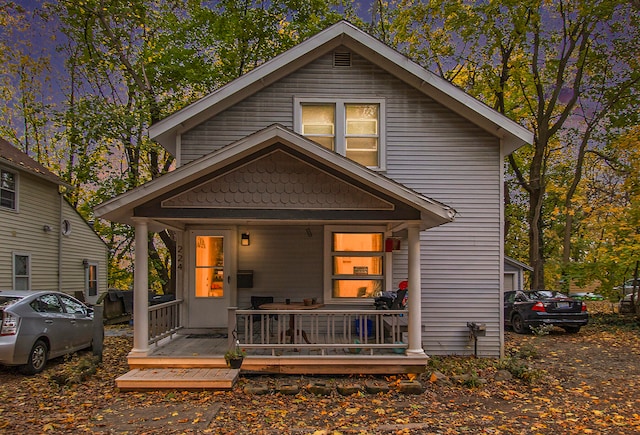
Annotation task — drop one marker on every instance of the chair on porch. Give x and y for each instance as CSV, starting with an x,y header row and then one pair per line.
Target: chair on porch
x,y
256,301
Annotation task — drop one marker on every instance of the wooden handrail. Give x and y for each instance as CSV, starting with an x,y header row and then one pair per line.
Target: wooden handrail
x,y
164,320
323,329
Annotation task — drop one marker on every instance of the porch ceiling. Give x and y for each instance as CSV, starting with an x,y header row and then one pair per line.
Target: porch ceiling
x,y
275,175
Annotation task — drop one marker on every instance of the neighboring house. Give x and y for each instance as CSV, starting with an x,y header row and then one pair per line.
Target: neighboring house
x,y
334,171
514,274
44,243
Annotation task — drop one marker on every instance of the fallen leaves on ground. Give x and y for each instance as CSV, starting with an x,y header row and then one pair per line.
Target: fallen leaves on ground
x,y
585,383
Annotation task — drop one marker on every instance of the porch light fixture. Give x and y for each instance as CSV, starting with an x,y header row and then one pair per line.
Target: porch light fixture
x,y
244,239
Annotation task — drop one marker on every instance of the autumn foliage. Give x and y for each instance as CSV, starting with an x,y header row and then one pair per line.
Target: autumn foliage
x,y
559,383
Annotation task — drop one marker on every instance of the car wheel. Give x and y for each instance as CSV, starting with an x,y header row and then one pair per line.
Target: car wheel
x,y
572,329
37,359
517,324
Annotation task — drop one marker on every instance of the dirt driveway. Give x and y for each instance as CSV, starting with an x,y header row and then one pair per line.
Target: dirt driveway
x,y
569,384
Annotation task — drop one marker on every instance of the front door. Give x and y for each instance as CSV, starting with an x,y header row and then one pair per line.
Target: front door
x,y
210,280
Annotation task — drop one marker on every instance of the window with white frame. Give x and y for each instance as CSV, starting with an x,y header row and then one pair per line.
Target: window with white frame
x,y
91,279
353,128
21,271
8,192
355,262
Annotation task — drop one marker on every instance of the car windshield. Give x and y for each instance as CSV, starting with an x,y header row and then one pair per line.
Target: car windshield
x,y
5,301
545,294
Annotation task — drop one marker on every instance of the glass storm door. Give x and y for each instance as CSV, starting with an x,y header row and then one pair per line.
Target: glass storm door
x,y
210,281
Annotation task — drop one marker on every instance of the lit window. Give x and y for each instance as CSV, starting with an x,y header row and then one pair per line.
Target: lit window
x,y
7,189
351,128
209,280
357,264
362,133
92,280
318,123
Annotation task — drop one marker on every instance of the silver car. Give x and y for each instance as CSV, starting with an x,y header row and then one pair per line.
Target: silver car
x,y
40,325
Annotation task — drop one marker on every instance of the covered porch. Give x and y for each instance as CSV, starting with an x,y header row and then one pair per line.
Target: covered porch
x,y
343,338
278,207
323,341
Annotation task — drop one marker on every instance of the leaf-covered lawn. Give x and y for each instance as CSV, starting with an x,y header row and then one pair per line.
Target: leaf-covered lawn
x,y
564,383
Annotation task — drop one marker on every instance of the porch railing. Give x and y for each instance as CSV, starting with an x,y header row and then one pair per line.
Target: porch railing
x,y
164,320
362,331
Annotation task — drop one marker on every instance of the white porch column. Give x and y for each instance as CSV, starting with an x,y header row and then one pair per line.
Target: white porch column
x,y
141,289
415,294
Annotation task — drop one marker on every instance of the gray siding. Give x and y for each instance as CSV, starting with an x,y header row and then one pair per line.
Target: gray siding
x,y
22,231
81,243
52,255
429,149
276,268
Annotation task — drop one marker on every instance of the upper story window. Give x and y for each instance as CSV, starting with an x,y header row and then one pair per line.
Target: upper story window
x,y
353,128
8,189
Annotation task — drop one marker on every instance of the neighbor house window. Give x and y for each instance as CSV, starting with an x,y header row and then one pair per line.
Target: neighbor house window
x,y
21,271
66,227
8,189
92,279
349,127
356,263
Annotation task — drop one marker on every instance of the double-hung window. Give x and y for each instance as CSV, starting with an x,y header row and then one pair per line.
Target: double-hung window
x,y
21,271
355,262
8,189
353,128
91,279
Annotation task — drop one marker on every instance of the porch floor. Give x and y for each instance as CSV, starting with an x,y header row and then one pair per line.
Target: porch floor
x,y
207,351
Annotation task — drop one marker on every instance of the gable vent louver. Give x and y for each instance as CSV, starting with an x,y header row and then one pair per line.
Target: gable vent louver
x,y
341,59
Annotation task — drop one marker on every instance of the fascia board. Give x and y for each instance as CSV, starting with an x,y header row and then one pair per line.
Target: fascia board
x,y
343,33
166,130
513,134
119,207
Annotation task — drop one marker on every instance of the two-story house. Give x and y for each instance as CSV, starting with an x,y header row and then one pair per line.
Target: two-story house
x,y
330,174
44,243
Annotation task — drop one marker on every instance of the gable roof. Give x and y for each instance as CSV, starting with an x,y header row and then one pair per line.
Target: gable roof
x,y
13,157
517,264
345,34
123,207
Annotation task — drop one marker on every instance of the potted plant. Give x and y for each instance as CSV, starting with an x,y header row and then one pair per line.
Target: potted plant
x,y
235,356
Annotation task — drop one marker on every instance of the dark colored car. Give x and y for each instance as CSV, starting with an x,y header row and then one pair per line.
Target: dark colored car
x,y
40,325
534,308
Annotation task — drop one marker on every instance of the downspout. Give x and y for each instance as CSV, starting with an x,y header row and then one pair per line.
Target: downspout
x,y
61,216
501,246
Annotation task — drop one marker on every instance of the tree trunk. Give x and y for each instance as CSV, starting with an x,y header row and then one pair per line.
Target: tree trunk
x,y
536,203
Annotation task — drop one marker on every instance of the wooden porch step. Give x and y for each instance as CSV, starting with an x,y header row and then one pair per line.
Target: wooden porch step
x,y
196,378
